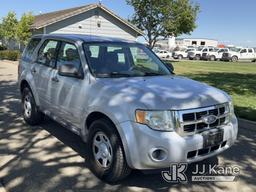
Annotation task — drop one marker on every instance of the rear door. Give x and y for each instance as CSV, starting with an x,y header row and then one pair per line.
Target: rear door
x,y
250,54
42,70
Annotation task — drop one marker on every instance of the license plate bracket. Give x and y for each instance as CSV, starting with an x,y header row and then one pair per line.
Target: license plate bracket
x,y
213,137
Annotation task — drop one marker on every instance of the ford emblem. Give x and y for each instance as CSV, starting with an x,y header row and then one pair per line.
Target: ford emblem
x,y
210,119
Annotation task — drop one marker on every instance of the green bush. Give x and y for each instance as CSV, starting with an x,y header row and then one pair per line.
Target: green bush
x,y
12,55
2,47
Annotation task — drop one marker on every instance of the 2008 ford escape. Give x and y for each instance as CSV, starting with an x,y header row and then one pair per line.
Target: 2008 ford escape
x,y
129,107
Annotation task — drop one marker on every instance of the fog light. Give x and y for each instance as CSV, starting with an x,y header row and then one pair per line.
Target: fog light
x,y
158,154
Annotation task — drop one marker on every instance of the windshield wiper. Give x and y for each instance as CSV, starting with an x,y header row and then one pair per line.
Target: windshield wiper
x,y
152,74
113,74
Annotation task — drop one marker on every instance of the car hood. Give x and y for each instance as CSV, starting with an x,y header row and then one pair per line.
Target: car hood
x,y
162,92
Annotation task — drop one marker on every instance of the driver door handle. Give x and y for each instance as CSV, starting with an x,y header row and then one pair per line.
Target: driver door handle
x,y
55,79
33,70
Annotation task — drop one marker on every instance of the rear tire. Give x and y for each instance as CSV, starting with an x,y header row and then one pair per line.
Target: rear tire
x,y
31,113
180,57
104,145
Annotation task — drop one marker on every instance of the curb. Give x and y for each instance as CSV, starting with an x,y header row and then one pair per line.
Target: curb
x,y
246,124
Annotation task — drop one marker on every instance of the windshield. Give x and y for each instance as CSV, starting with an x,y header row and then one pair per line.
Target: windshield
x,y
123,60
235,49
200,48
188,50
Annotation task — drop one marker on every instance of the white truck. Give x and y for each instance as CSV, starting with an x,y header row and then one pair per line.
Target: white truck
x,y
213,55
181,54
197,54
235,54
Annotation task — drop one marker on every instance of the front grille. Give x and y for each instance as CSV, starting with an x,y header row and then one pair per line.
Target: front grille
x,y
205,151
191,53
225,55
192,121
204,54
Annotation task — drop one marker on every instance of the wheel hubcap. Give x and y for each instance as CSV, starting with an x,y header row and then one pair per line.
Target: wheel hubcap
x,y
102,150
27,106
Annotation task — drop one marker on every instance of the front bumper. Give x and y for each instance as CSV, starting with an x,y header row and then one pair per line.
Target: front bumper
x,y
226,58
205,57
139,141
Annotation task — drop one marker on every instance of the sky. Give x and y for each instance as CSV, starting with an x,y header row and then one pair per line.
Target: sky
x,y
228,21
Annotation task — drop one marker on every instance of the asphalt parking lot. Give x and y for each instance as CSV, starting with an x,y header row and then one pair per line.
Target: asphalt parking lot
x,y
50,158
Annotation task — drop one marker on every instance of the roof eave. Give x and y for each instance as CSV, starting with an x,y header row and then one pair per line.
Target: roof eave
x,y
138,31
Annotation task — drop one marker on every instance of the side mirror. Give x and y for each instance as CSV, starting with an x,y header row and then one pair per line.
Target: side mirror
x,y
170,67
70,70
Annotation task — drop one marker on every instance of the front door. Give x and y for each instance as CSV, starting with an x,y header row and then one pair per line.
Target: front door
x,y
68,93
244,54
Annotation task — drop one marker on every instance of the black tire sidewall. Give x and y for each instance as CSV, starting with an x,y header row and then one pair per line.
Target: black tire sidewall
x,y
35,116
234,59
105,126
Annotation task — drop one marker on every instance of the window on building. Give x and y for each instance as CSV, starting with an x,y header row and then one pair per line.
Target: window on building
x,y
202,42
194,42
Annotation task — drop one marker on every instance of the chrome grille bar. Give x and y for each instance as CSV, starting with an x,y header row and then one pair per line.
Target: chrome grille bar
x,y
193,121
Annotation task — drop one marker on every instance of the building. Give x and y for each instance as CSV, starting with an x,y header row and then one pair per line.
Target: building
x,y
172,43
166,44
92,19
185,42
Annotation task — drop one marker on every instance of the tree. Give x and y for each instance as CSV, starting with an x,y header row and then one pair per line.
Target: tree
x,y
1,32
23,28
9,26
163,18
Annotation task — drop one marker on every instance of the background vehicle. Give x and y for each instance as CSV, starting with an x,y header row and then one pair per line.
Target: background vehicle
x,y
124,102
163,54
197,54
214,54
182,53
239,54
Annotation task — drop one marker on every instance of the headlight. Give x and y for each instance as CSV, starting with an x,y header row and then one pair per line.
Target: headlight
x,y
231,107
157,120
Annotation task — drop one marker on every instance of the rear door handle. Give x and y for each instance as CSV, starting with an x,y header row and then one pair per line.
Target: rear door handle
x,y
55,79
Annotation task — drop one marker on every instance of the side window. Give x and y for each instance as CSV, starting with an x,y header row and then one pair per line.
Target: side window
x,y
243,51
68,54
94,51
250,50
47,53
28,53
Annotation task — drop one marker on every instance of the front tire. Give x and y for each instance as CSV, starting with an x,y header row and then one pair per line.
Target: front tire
x,y
106,154
197,57
212,58
31,113
234,59
180,57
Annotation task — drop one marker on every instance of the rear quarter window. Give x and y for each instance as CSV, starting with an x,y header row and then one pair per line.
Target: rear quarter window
x,y
28,52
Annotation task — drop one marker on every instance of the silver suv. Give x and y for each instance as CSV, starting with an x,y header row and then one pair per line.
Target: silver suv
x,y
124,102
